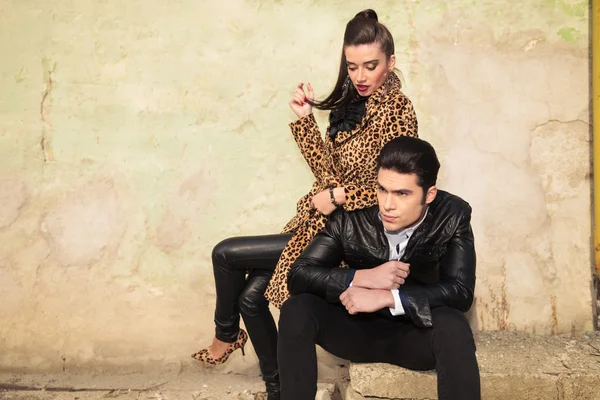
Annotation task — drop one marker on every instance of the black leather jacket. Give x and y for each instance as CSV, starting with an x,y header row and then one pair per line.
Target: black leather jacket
x,y
440,252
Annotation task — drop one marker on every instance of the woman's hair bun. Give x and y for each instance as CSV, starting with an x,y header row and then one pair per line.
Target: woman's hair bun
x,y
368,13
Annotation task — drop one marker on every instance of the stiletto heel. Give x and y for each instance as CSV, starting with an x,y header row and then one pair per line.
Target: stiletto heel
x,y
205,357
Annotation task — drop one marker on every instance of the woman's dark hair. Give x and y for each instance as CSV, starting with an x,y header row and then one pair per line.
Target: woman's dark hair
x,y
364,28
409,155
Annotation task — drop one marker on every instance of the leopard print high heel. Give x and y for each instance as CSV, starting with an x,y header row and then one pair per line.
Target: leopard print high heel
x,y
205,357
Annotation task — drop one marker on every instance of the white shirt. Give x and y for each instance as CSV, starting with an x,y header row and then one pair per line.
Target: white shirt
x,y
398,242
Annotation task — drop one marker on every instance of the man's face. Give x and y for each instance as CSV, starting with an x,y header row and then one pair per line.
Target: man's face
x,y
400,199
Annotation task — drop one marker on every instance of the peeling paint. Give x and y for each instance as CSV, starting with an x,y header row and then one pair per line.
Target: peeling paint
x,y
22,75
572,8
570,35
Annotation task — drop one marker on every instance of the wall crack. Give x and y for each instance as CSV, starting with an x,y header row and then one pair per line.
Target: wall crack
x,y
49,83
557,121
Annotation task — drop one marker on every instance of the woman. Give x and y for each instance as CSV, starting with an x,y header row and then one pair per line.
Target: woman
x,y
367,110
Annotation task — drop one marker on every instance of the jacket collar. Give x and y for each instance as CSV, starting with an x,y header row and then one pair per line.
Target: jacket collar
x,y
419,232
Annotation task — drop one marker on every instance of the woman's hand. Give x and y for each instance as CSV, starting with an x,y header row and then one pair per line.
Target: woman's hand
x,y
322,200
298,102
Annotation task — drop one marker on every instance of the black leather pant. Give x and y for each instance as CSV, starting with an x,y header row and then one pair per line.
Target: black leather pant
x,y
243,267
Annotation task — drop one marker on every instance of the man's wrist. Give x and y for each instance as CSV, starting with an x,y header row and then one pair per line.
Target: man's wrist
x,y
361,278
387,299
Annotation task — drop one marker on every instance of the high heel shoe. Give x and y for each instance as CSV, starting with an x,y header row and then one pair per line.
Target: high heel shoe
x,y
204,355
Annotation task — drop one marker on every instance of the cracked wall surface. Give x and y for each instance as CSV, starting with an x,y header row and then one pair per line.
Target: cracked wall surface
x,y
134,136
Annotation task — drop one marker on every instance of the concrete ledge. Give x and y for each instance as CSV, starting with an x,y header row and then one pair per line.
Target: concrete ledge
x,y
512,365
205,384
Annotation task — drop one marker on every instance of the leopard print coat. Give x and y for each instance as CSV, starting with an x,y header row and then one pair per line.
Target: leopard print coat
x,y
348,160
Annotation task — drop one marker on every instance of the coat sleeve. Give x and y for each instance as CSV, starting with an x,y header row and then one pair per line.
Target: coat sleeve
x,y
317,269
308,138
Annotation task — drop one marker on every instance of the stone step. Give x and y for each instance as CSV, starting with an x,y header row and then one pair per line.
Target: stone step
x,y
512,366
204,385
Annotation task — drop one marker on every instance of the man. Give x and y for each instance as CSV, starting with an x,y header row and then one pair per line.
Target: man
x,y
411,277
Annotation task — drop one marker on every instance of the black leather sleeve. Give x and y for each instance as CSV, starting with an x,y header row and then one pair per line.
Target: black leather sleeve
x,y
457,278
317,269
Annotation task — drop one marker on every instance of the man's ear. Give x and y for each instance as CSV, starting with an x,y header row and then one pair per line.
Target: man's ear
x,y
431,193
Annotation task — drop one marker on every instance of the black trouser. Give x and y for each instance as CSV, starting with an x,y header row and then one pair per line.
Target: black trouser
x,y
307,319
243,267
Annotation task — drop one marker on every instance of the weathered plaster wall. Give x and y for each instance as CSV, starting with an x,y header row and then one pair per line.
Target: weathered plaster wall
x,y
134,135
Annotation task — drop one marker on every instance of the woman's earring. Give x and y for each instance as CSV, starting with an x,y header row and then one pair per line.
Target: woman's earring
x,y
346,86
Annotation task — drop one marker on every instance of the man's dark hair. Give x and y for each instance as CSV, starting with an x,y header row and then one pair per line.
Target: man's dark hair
x,y
409,155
